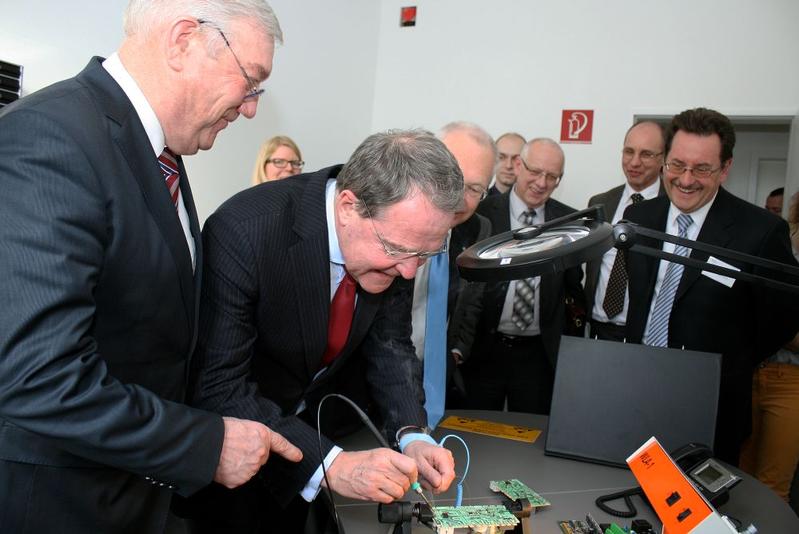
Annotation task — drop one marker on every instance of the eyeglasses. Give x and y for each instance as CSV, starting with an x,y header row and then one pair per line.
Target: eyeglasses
x,y
701,171
550,178
398,252
645,155
475,191
281,163
253,90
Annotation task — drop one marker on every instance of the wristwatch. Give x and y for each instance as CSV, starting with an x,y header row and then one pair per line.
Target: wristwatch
x,y
412,429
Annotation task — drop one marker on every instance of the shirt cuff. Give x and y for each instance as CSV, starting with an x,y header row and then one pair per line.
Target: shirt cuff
x,y
311,489
414,436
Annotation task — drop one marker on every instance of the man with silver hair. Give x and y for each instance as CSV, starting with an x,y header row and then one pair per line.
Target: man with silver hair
x,y
303,296
101,266
518,334
476,154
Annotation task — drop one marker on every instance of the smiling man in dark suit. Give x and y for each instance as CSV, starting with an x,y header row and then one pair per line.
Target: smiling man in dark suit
x,y
276,255
100,264
672,306
518,334
641,162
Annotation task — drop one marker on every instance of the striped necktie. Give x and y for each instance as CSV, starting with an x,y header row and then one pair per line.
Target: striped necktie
x,y
657,333
169,167
524,297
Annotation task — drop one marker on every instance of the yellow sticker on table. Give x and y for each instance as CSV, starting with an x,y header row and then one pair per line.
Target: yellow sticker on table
x,y
490,428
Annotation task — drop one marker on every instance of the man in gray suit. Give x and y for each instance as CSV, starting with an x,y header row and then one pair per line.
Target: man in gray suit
x,y
606,292
100,267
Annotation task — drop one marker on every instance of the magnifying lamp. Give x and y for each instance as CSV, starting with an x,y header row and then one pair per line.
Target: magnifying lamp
x,y
571,240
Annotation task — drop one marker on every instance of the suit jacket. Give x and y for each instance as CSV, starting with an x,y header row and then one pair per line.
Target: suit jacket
x,y
100,304
745,323
553,290
610,203
462,323
264,317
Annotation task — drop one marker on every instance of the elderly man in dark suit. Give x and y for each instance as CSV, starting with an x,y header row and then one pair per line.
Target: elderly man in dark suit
x,y
684,307
276,255
476,154
606,295
518,334
100,269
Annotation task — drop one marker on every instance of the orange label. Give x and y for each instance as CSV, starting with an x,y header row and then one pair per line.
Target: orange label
x,y
490,428
678,504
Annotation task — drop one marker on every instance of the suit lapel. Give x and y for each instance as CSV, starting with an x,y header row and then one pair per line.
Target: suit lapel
x,y
129,135
310,259
715,231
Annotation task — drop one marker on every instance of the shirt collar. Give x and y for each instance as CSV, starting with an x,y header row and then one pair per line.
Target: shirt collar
x,y
332,238
648,193
518,206
698,216
147,116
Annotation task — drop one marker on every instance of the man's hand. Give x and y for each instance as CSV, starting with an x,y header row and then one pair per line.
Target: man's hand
x,y
246,447
379,475
436,465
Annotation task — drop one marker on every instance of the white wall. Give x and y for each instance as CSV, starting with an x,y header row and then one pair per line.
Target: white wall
x,y
347,69
514,65
320,92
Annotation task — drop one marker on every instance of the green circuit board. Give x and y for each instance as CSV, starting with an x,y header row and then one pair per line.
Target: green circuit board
x,y
515,489
451,517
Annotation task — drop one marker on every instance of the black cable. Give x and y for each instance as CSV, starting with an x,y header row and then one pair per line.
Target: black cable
x,y
626,495
380,439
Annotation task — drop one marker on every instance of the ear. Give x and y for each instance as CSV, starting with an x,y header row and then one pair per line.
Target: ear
x,y
346,207
725,171
182,39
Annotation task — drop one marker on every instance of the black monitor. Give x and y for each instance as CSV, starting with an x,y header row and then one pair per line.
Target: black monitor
x,y
610,397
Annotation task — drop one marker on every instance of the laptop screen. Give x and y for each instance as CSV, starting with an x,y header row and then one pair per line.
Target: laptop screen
x,y
609,398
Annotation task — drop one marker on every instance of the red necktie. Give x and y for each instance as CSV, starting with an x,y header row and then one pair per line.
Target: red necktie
x,y
169,166
338,325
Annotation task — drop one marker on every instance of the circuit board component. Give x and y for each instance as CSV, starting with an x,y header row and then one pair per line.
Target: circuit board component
x,y
514,489
489,519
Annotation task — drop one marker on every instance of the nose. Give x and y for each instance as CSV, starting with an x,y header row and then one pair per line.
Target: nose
x,y
407,267
248,108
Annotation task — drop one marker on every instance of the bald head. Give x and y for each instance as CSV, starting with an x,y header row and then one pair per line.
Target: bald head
x,y
642,155
475,153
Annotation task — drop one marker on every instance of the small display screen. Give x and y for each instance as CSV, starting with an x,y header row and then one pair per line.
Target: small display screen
x,y
709,474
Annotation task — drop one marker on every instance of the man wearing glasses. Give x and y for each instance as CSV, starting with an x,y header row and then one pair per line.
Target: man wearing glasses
x,y
476,155
517,337
684,307
279,259
606,279
101,268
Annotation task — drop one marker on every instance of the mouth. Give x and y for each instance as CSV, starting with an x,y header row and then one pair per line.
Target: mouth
x,y
685,190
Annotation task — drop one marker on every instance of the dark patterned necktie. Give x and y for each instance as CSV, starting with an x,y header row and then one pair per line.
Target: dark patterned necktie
x,y
169,167
524,297
617,282
657,333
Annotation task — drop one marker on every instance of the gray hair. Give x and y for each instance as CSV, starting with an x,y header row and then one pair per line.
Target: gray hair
x,y
511,134
391,166
480,136
142,15
544,141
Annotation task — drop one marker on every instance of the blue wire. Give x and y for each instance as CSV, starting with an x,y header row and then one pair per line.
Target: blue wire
x,y
459,487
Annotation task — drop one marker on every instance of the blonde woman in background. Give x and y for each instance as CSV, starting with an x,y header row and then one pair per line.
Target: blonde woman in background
x,y
279,157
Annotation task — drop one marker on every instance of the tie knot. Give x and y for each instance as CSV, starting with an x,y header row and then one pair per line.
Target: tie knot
x,y
683,222
636,198
168,161
528,217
